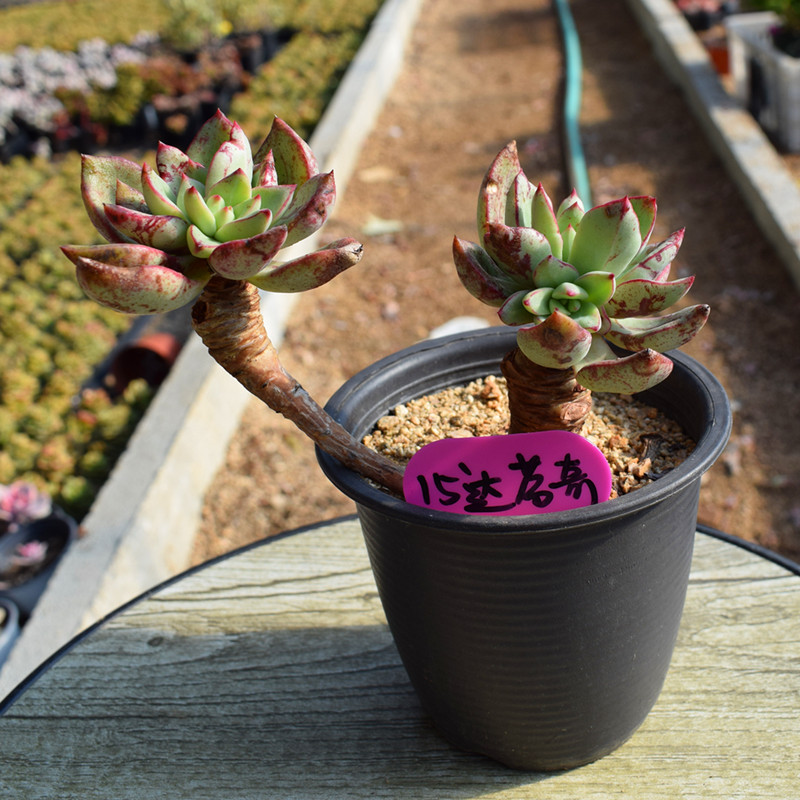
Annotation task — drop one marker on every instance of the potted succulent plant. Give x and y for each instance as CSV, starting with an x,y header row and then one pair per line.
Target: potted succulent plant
x,y
541,640
544,640
33,536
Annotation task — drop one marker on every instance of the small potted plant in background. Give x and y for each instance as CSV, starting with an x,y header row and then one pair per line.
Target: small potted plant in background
x,y
786,32
705,14
764,45
541,640
33,536
706,17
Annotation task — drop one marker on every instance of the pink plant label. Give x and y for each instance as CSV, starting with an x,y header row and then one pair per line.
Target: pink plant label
x,y
523,473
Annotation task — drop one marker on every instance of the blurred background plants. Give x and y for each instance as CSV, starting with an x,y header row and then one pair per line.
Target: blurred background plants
x,y
58,429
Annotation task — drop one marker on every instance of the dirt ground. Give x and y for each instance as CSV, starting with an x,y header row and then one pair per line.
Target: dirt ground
x,y
477,75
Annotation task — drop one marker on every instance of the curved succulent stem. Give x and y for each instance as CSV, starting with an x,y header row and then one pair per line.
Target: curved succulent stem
x,y
227,317
543,399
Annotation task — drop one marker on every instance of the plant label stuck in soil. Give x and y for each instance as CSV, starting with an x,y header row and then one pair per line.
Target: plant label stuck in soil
x,y
524,473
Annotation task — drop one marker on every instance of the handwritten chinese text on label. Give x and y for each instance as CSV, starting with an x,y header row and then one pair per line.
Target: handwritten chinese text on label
x,y
525,473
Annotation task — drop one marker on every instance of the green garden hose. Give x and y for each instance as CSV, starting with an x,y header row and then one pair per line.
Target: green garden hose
x,y
573,65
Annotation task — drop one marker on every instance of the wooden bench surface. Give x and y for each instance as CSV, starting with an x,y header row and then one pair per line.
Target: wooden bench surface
x,y
271,674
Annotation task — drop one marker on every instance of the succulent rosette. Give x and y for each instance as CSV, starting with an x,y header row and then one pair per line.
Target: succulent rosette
x,y
217,209
576,282
205,227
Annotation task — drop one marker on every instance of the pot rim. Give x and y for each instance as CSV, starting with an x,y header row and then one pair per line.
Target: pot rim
x,y
708,447
10,606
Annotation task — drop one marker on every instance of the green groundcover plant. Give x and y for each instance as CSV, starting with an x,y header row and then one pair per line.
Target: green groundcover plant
x,y
54,432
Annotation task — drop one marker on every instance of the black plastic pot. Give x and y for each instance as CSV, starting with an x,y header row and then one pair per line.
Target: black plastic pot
x,y
9,627
59,530
540,641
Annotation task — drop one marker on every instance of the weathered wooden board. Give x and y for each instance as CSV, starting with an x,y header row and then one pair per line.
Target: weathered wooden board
x,y
271,674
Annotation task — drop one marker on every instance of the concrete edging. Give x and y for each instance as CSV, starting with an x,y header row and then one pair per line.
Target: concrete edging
x,y
140,529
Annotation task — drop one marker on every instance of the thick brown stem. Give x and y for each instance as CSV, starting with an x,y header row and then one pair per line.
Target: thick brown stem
x,y
542,399
227,317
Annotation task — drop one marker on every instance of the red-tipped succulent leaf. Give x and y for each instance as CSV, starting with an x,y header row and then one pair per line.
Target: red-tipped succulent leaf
x,y
311,270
